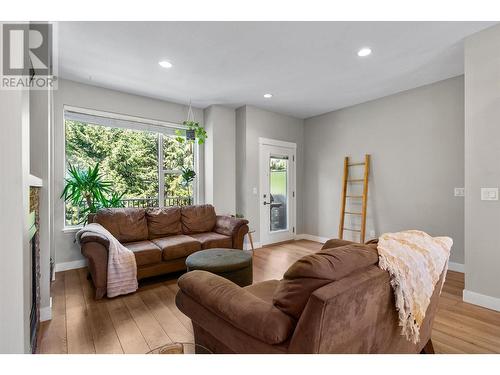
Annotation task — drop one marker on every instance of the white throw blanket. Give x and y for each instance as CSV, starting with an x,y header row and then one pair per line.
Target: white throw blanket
x,y
122,268
415,261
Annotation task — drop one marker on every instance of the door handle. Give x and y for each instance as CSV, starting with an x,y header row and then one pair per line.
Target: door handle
x,y
266,203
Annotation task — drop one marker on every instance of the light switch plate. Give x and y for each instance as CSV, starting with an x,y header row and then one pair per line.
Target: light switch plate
x,y
254,191
489,194
459,192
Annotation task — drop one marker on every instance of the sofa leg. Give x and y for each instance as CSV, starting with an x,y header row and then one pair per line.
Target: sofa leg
x,y
428,348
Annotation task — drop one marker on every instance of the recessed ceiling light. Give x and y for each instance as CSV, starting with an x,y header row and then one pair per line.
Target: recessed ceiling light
x,y
363,52
165,64
268,96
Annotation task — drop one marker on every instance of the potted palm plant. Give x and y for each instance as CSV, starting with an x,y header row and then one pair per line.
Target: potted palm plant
x,y
87,190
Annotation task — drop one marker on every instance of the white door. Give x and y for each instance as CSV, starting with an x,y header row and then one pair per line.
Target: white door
x,y
277,190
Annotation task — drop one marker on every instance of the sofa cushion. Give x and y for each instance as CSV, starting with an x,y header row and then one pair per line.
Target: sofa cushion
x,y
198,219
210,240
125,224
316,270
264,290
163,221
145,252
175,247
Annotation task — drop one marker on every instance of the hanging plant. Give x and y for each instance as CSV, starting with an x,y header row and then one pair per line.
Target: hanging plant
x,y
193,130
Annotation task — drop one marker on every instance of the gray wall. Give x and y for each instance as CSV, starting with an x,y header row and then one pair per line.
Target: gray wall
x,y
482,156
240,149
253,123
220,158
416,140
14,204
96,98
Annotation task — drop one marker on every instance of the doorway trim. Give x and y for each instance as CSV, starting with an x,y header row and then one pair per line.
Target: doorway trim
x,y
276,142
293,212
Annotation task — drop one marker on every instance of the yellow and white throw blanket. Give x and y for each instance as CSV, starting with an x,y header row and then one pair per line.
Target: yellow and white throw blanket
x,y
415,261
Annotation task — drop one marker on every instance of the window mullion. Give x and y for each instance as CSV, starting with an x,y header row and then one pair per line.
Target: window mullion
x,y
161,174
196,182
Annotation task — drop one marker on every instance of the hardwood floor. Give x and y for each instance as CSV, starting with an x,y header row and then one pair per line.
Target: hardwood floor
x,y
149,318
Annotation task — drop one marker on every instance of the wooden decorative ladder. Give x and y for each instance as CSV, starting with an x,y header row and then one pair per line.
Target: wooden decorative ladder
x,y
364,197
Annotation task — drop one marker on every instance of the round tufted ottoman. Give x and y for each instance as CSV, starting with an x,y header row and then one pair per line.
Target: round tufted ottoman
x,y
234,265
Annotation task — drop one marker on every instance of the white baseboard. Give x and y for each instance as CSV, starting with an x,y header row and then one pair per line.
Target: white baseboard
x,y
46,312
71,265
457,267
310,237
256,245
489,302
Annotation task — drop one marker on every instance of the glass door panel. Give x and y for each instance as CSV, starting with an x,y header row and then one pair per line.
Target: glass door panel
x,y
278,188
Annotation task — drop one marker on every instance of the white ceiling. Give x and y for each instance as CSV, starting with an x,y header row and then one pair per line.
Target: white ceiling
x,y
309,67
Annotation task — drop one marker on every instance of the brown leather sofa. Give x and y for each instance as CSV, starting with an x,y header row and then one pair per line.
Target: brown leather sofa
x,y
335,301
161,238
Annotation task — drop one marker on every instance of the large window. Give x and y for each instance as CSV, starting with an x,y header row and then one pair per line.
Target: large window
x,y
128,156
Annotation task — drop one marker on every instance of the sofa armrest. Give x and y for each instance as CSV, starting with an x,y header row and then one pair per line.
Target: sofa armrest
x,y
97,259
228,225
94,237
94,247
237,306
233,227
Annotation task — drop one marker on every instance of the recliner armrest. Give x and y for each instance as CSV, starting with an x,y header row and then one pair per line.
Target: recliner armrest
x,y
237,306
228,225
335,242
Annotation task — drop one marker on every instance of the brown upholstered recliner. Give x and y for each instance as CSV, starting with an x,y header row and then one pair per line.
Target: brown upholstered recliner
x,y
161,238
335,301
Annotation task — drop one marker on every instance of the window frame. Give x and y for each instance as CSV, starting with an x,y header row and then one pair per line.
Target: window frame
x,y
162,171
161,128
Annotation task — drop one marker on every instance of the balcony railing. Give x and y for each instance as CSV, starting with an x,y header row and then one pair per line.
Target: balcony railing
x,y
153,202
